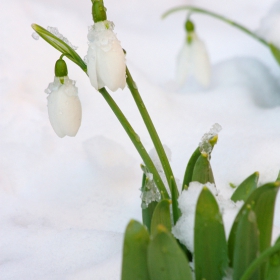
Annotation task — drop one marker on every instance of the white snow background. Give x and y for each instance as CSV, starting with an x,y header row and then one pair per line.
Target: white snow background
x,y
64,203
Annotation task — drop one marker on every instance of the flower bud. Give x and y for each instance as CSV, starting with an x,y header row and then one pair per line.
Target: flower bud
x,y
64,106
105,57
193,60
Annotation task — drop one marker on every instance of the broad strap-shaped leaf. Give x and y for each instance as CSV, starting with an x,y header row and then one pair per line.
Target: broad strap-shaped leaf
x,y
210,244
166,260
147,214
60,45
175,207
276,52
271,253
262,203
134,263
161,216
189,169
202,172
246,188
273,268
246,248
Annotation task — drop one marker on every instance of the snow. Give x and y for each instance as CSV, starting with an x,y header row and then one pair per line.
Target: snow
x,y
64,203
183,230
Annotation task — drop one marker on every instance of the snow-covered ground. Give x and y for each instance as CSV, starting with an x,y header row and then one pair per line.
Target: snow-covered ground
x,y
64,203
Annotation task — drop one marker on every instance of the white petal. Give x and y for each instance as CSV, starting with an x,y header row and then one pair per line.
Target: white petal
x,y
184,64
107,56
65,112
202,70
91,66
111,66
53,115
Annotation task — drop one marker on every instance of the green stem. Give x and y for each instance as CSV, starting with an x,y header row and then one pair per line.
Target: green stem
x,y
136,142
257,262
151,129
217,16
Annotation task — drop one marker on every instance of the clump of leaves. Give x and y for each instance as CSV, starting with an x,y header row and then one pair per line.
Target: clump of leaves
x,y
151,252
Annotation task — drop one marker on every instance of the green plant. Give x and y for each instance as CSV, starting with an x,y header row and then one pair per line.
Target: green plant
x,y
150,250
246,255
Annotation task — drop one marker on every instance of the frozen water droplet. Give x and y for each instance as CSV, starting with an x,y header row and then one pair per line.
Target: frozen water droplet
x,y
55,32
35,36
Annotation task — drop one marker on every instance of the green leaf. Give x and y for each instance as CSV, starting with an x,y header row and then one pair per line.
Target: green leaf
x,y
175,207
246,248
246,188
278,177
166,260
262,202
189,169
60,45
273,269
276,52
147,214
210,244
266,254
134,263
161,216
202,172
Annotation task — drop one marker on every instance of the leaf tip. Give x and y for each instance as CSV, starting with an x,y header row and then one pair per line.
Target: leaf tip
x,y
161,228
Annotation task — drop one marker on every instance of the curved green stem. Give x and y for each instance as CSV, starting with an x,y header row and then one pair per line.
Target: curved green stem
x,y
151,129
217,16
136,142
257,262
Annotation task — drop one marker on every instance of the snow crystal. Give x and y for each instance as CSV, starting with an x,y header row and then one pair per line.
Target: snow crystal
x,y
149,191
55,32
204,146
35,35
70,89
184,229
102,35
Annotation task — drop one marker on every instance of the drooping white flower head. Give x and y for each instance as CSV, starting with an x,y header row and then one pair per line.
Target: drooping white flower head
x,y
193,60
64,106
105,57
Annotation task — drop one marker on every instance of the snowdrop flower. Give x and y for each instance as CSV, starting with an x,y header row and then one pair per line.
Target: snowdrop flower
x,y
193,60
64,106
105,57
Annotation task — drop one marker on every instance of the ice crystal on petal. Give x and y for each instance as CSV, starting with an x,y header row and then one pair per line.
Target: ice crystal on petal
x,y
101,34
149,191
55,32
35,36
204,146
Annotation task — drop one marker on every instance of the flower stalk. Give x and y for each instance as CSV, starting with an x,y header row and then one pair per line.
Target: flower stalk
x,y
136,142
151,129
193,9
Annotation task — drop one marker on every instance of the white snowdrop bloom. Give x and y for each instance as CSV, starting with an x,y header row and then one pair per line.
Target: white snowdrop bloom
x,y
193,60
64,107
105,57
